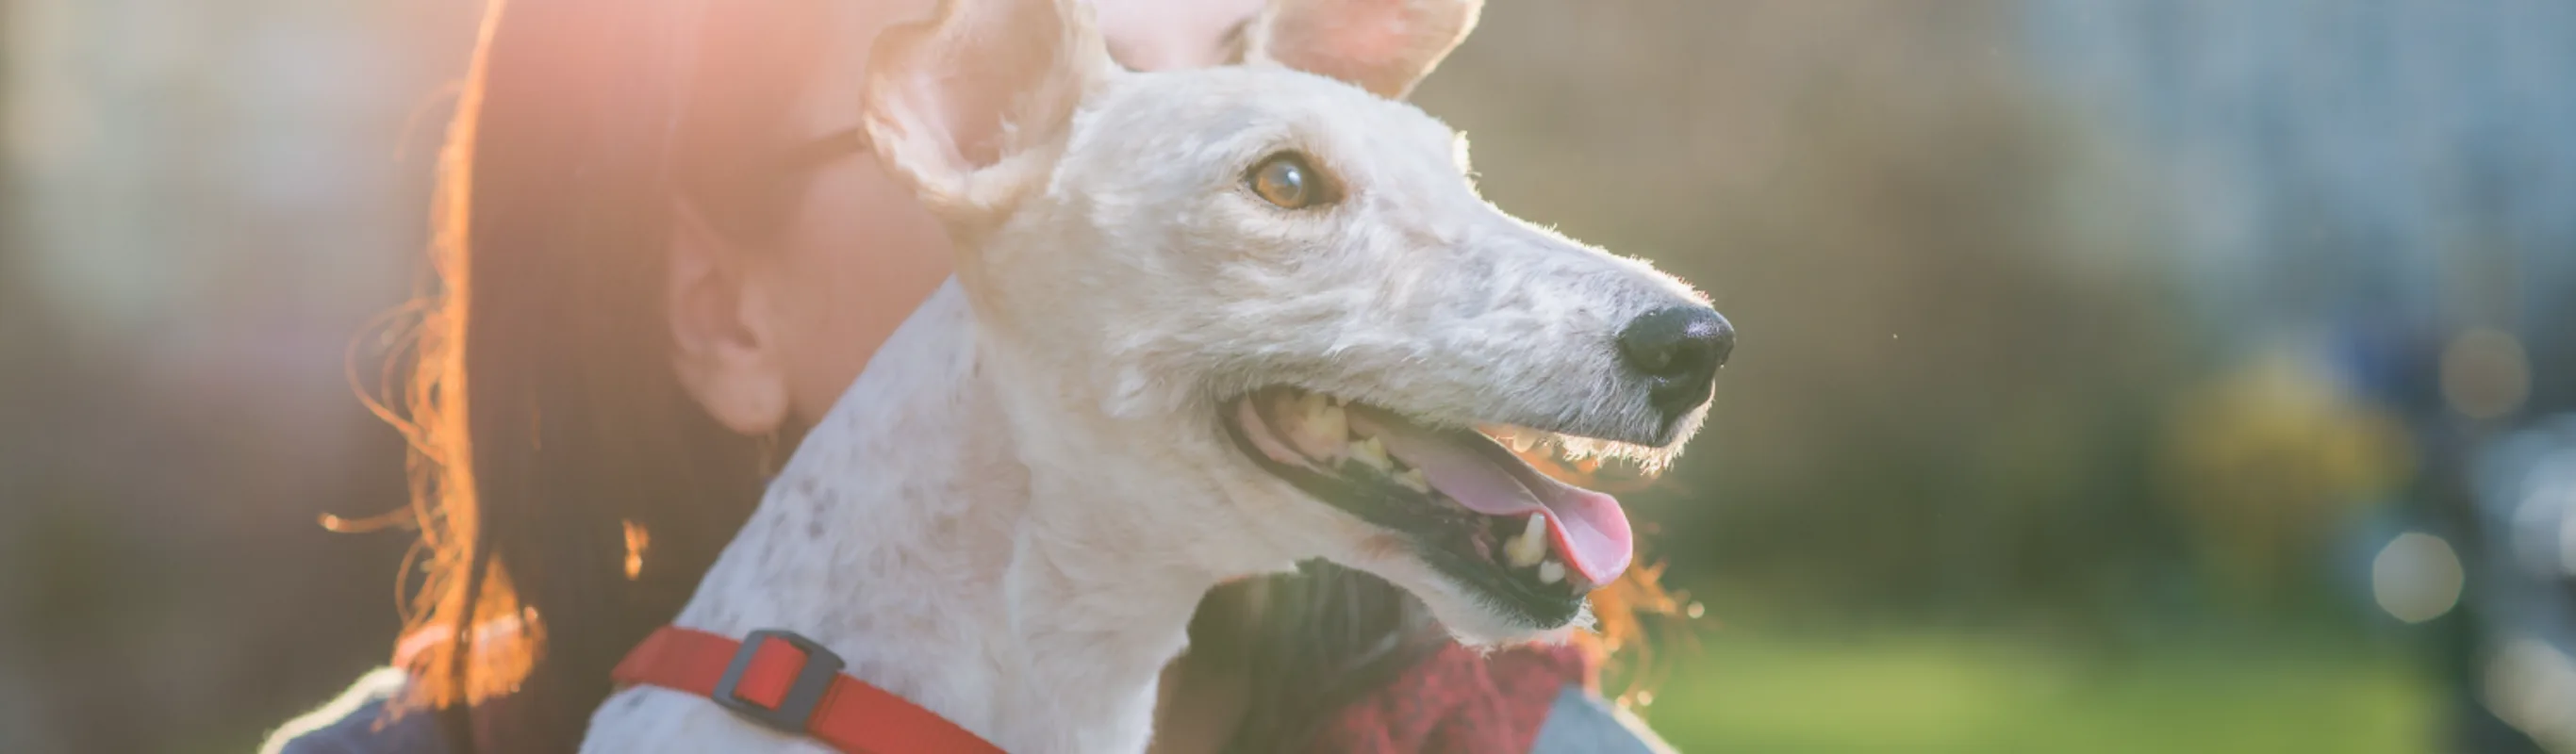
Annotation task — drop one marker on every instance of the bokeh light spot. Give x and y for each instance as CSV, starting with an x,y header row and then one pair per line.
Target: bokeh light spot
x,y
2417,577
2532,686
2485,374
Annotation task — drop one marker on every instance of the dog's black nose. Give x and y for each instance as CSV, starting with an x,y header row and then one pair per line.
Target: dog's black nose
x,y
1678,350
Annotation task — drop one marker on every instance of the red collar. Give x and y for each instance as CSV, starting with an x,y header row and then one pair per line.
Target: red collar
x,y
791,684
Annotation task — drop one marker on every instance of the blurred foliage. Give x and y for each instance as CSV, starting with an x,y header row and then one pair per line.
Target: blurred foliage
x,y
1972,694
2265,464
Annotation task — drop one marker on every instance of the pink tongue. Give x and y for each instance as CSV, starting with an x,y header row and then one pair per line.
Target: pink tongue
x,y
1589,527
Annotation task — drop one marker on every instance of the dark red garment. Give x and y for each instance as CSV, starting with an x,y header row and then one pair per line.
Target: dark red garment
x,y
1461,700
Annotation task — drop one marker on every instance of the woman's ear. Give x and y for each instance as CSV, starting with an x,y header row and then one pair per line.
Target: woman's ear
x,y
724,337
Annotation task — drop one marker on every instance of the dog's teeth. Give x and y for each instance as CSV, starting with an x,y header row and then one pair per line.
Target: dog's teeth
x,y
1370,451
1329,425
1412,480
1525,550
1522,443
1318,431
1310,407
1551,572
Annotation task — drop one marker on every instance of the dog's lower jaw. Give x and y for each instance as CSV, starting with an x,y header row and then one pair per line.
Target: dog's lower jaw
x,y
903,537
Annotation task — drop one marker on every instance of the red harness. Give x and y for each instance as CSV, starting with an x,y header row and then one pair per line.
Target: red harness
x,y
793,685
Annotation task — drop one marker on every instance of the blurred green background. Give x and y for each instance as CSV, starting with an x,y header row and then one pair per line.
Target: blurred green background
x,y
2115,376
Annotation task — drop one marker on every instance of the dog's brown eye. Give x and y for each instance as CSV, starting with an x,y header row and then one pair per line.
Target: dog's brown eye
x,y
1286,180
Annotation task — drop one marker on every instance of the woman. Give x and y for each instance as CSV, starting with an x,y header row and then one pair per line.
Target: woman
x,y
662,256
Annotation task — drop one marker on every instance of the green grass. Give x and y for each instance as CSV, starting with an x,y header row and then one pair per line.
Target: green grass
x,y
1928,694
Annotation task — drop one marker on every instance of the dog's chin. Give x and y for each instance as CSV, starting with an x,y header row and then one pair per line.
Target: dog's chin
x,y
1499,551
1475,614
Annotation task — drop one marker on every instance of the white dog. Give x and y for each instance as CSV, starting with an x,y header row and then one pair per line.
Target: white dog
x,y
1206,324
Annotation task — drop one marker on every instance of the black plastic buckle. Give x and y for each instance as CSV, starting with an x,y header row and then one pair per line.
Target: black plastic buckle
x,y
791,714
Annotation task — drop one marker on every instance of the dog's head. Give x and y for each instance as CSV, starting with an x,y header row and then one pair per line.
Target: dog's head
x,y
1282,288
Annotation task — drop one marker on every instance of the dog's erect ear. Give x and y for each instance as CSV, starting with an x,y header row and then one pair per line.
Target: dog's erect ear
x,y
972,106
1384,46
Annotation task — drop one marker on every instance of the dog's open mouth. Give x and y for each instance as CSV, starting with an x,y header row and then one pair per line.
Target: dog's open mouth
x,y
1475,509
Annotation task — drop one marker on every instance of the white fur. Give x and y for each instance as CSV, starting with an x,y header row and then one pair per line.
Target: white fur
x,y
1011,515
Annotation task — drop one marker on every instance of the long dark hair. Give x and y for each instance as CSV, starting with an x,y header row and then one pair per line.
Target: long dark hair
x,y
568,492
550,436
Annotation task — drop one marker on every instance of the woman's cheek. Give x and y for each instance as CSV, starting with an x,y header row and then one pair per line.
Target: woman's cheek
x,y
863,255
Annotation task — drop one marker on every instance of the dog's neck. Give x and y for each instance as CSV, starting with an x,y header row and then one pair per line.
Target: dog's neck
x,y
915,534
